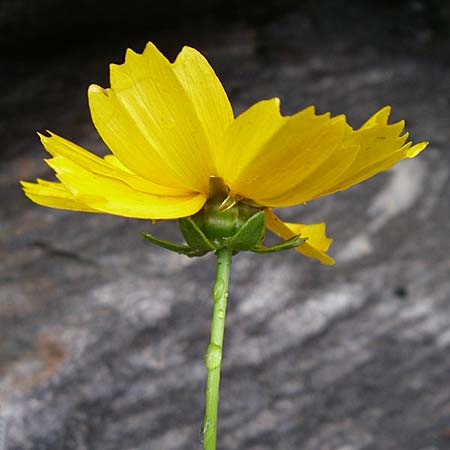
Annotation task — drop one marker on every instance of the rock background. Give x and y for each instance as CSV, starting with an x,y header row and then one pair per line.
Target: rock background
x,y
102,336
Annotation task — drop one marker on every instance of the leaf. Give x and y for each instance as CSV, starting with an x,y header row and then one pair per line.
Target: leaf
x,y
172,246
194,236
250,234
294,241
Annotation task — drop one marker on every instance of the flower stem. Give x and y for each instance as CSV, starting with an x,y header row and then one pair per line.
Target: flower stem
x,y
213,356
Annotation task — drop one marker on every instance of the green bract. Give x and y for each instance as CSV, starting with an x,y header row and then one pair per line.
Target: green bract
x,y
225,229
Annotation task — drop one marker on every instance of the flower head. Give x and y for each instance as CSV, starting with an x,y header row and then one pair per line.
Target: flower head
x,y
170,128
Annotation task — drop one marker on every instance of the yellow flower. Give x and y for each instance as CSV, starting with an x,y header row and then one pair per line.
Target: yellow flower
x,y
170,127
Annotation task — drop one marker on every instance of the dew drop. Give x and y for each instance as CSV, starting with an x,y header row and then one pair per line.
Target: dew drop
x,y
221,314
204,428
218,290
201,431
213,356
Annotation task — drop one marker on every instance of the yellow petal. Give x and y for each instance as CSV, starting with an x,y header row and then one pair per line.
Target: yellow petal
x,y
206,94
381,145
113,196
245,137
329,169
129,144
285,154
148,91
114,161
58,146
53,195
314,247
376,146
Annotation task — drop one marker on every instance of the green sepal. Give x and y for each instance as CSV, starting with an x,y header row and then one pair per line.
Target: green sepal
x,y
194,236
250,234
178,248
292,242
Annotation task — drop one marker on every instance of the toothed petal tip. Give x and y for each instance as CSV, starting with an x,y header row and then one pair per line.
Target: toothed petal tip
x,y
41,136
384,112
129,52
150,46
416,149
96,89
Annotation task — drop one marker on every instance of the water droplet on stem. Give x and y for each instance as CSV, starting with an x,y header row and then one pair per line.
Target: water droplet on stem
x,y
218,290
213,356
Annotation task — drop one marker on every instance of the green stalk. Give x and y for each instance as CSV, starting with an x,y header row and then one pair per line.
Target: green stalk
x,y
213,356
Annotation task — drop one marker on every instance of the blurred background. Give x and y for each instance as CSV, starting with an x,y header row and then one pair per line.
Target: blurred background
x,y
102,337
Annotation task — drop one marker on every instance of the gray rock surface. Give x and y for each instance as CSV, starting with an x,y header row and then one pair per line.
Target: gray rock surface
x,y
102,336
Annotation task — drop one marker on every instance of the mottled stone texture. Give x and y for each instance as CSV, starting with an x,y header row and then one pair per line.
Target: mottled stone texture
x,y
102,337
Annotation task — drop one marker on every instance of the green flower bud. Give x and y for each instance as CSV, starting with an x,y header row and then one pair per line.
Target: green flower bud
x,y
218,224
